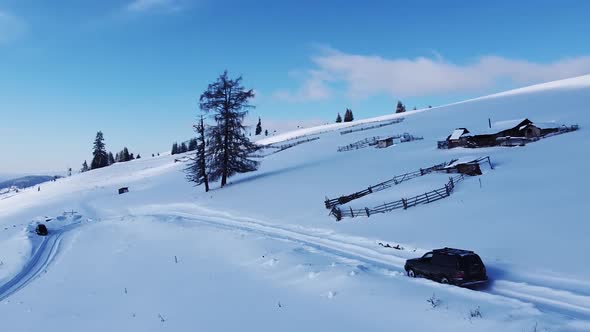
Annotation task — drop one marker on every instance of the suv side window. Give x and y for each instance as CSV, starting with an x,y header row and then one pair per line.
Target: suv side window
x,y
427,257
445,260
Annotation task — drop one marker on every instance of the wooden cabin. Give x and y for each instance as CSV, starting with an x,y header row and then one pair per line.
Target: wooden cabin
x,y
504,133
507,133
458,137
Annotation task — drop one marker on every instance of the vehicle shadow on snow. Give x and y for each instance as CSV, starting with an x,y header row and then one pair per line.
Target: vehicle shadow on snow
x,y
493,273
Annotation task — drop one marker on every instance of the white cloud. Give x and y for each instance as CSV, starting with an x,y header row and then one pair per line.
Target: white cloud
x,y
138,6
364,76
313,88
11,27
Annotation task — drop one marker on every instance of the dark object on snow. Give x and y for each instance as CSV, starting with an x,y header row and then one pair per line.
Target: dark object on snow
x,y
449,266
41,230
123,190
472,169
387,245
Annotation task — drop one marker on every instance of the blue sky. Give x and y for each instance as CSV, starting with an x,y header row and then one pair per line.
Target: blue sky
x,y
135,68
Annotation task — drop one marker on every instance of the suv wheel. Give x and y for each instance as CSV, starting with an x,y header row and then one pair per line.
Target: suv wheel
x,y
444,280
411,273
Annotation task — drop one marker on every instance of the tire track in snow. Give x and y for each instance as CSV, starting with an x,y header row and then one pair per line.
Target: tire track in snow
x,y
42,256
545,298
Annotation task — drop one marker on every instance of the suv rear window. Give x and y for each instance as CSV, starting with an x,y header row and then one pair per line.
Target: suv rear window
x,y
470,261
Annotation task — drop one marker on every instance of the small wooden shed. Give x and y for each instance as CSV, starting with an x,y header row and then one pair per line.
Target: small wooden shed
x,y
384,142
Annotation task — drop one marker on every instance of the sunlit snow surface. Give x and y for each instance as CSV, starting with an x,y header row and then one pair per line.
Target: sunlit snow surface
x,y
263,254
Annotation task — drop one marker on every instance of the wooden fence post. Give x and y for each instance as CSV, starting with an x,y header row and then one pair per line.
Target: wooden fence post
x,y
447,190
337,213
427,199
405,203
351,212
368,212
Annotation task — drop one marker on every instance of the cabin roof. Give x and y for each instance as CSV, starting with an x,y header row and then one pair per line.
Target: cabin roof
x,y
505,125
457,133
547,125
464,160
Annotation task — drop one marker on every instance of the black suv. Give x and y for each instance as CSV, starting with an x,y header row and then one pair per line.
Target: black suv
x,y
449,266
41,230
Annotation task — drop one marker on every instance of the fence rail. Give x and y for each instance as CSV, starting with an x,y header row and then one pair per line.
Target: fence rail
x,y
562,130
370,141
446,167
331,203
404,203
353,130
282,147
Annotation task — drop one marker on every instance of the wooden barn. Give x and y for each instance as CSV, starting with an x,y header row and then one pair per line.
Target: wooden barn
x,y
467,167
504,133
456,139
514,133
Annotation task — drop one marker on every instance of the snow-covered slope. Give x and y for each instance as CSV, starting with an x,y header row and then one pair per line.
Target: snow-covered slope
x,y
263,252
25,181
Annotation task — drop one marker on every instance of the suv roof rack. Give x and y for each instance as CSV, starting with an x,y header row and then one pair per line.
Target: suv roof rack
x,y
453,251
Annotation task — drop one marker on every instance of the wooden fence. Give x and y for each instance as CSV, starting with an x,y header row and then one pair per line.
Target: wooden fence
x,y
353,130
331,203
283,147
370,141
403,203
563,130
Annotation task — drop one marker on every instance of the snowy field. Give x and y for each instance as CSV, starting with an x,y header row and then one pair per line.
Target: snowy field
x,y
263,253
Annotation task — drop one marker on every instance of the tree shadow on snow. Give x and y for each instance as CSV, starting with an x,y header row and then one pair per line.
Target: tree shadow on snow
x,y
262,175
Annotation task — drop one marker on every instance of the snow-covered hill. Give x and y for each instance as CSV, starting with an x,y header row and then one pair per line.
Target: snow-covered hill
x,y
25,181
263,252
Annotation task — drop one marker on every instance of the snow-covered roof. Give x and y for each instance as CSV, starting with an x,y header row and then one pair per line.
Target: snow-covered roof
x,y
502,125
464,160
547,125
457,133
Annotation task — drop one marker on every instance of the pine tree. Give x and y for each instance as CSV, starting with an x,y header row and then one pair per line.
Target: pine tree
x,y
258,127
183,148
400,108
84,167
174,148
101,158
266,132
229,147
197,169
338,118
125,156
138,156
131,157
111,158
192,144
348,117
